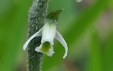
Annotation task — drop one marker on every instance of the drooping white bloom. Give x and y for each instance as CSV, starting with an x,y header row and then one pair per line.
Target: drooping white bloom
x,y
48,33
78,0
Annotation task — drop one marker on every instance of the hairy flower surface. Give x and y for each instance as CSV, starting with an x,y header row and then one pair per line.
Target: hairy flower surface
x,y
48,33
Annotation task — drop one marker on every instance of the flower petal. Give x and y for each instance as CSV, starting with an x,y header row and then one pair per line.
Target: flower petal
x,y
33,36
40,49
51,51
48,33
62,41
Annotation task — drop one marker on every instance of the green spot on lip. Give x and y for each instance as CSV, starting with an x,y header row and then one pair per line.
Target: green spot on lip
x,y
45,47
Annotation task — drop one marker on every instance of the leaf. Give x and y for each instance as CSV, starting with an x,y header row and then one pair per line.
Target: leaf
x,y
108,55
95,53
54,15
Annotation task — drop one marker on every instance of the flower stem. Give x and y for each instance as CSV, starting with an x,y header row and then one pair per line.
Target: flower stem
x,y
37,16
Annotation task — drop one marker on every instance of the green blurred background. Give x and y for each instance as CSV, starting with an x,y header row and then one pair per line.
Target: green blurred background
x,y
86,26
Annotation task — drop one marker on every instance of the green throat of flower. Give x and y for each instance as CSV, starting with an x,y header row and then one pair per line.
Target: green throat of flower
x,y
45,47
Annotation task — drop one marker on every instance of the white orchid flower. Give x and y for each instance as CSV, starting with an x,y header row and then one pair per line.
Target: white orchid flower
x,y
48,33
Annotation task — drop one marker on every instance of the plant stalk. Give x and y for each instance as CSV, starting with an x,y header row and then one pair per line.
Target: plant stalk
x,y
37,17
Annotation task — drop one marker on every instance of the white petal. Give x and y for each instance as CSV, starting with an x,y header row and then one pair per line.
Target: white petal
x,y
62,41
48,33
38,49
51,51
33,36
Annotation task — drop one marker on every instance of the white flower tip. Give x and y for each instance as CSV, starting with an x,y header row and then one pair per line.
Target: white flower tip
x,y
63,42
51,51
64,56
63,9
50,54
66,51
37,49
25,46
78,0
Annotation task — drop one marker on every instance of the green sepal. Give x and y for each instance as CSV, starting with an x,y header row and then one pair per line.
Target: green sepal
x,y
54,15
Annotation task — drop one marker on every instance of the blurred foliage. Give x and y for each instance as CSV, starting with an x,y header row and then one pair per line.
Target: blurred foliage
x,y
86,27
13,19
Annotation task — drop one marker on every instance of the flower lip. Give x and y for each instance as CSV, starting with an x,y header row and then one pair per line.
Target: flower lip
x,y
47,40
45,47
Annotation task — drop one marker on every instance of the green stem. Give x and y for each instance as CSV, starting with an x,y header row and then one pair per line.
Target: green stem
x,y
37,16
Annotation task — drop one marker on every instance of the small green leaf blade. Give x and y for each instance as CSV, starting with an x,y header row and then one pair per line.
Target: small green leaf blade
x,y
54,15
